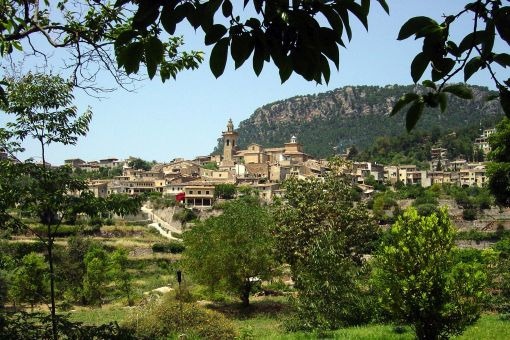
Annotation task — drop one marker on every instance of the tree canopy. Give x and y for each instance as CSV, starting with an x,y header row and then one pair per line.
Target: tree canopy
x,y
421,284
234,250
498,169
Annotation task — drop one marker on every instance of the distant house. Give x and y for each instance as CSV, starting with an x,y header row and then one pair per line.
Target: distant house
x,y
199,194
74,162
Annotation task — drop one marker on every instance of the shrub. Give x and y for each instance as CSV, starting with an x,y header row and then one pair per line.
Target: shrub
x,y
166,319
420,283
469,214
174,247
20,249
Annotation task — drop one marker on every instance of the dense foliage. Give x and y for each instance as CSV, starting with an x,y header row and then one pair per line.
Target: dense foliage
x,y
498,169
232,251
323,234
420,283
171,318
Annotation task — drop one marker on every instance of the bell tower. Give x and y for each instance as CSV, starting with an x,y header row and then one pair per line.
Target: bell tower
x,y
229,142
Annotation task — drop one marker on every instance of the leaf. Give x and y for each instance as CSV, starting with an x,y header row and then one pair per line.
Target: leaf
x,y
472,66
146,14
218,58
488,41
415,25
403,101
443,101
504,99
119,3
460,91
214,33
168,17
365,6
132,56
334,20
418,66
471,40
285,69
502,58
326,72
124,37
258,58
414,114
153,55
330,50
443,66
452,48
429,84
345,19
358,12
241,48
384,5
226,8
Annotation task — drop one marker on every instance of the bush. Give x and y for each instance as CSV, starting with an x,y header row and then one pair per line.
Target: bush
x,y
469,214
19,249
174,247
23,325
165,320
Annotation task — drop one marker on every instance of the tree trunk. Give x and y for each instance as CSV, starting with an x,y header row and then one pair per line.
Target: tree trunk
x,y
245,294
52,285
426,332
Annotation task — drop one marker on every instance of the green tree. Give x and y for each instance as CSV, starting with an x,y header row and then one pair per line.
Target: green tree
x,y
225,190
121,276
140,164
96,275
70,268
232,251
30,280
498,170
42,109
323,235
421,284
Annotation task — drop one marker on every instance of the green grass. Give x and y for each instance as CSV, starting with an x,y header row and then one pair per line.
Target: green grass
x,y
488,327
98,316
265,318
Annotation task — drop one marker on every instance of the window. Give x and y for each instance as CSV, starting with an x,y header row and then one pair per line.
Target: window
x,y
200,192
228,142
207,192
191,192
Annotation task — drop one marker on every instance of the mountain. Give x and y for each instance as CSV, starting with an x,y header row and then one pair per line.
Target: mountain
x,y
327,123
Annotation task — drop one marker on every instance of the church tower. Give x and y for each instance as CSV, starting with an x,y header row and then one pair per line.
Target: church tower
x,y
229,142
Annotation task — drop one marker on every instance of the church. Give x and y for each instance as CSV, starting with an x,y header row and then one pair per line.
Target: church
x,y
257,161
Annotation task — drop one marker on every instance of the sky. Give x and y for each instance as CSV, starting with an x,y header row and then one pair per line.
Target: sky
x,y
184,118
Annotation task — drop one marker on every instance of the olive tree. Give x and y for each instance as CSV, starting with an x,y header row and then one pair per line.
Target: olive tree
x,y
421,284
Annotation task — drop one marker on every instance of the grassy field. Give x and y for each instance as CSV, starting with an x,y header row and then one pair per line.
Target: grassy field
x,y
265,318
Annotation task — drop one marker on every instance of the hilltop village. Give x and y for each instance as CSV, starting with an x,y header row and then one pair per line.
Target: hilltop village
x,y
264,169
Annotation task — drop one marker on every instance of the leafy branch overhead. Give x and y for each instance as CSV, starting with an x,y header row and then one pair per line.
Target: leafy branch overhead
x,y
291,35
446,58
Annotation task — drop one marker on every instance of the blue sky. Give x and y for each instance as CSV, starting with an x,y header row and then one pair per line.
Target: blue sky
x,y
184,118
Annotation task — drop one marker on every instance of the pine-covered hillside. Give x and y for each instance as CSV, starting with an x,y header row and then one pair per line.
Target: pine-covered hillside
x,y
327,123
